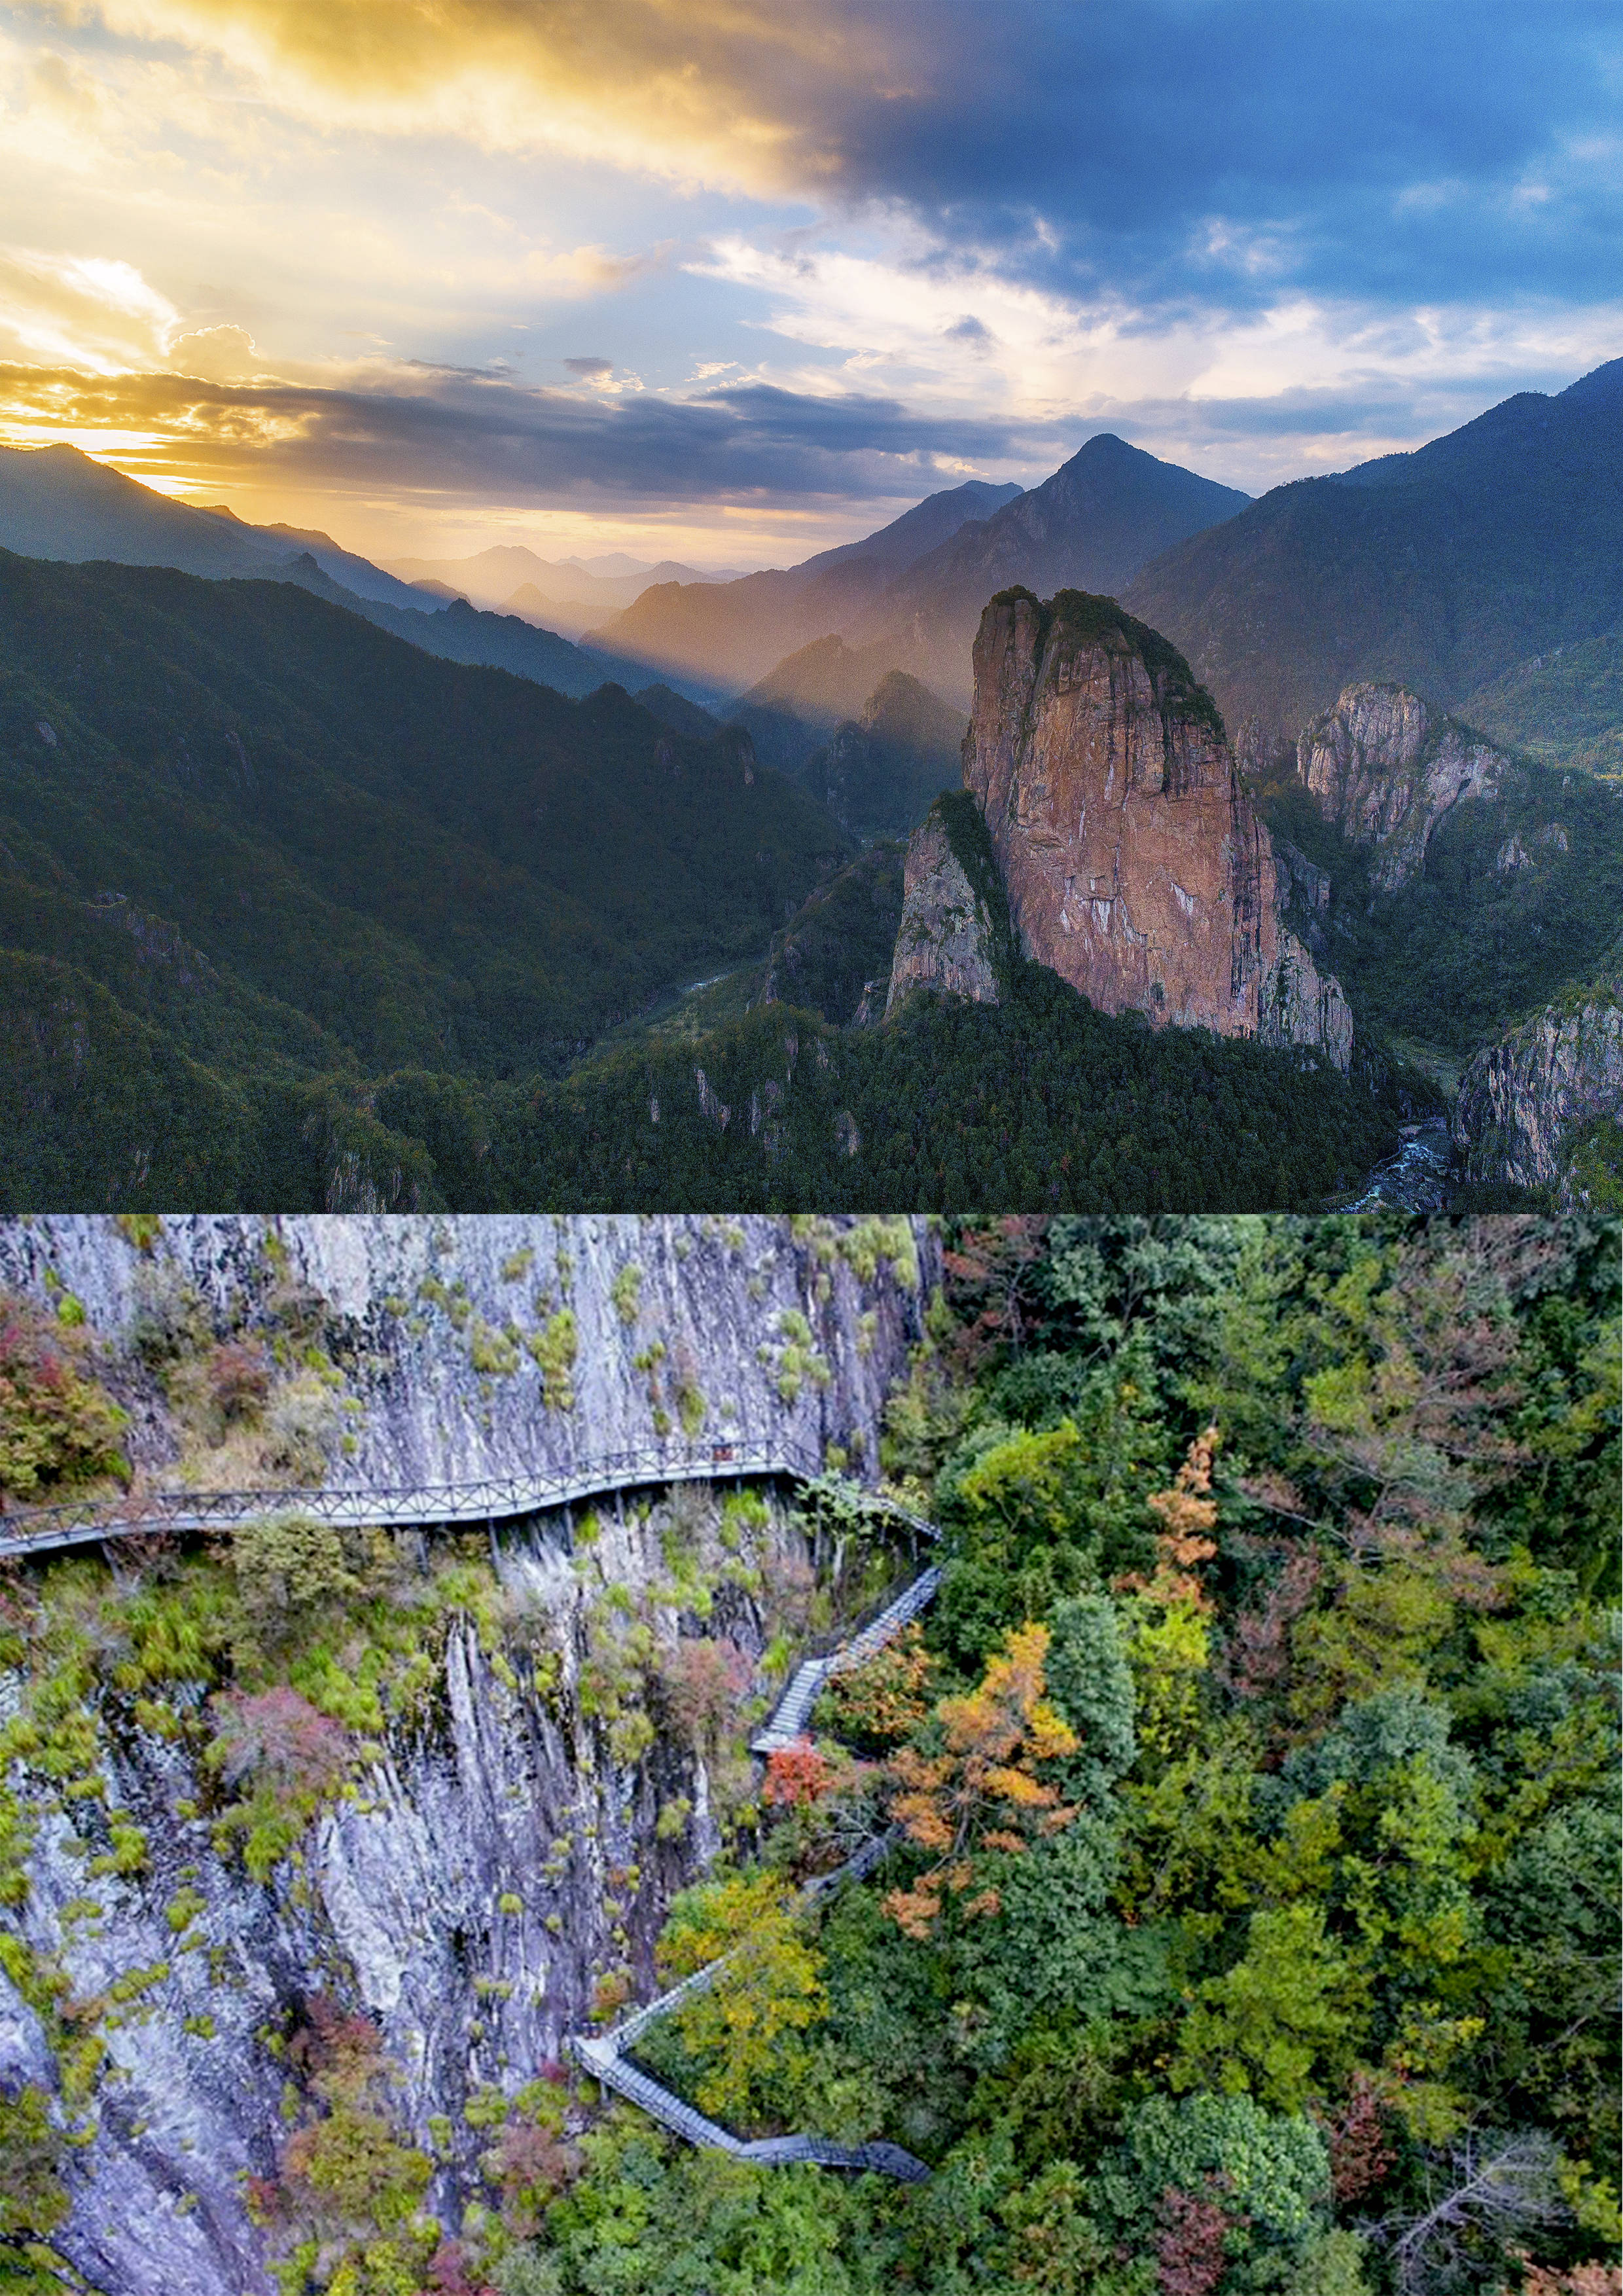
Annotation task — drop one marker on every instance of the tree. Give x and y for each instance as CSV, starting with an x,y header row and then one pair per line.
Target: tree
x,y
703,1678
1188,1514
798,1776
973,1786
1268,2172
1291,2006
993,1271
767,1988
33,2152
887,1697
57,1428
1487,2191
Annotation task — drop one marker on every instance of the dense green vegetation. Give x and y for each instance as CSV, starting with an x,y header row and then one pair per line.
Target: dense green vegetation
x,y
1274,1944
1565,709
256,954
1253,1921
426,864
1039,1100
1470,945
841,940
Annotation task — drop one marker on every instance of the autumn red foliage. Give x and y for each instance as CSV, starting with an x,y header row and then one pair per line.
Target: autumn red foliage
x,y
278,1735
798,1776
1189,2243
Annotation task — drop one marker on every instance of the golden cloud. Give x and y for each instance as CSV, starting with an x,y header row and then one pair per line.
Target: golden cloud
x,y
747,93
98,313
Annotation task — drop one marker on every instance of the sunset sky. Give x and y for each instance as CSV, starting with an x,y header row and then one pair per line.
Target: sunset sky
x,y
730,280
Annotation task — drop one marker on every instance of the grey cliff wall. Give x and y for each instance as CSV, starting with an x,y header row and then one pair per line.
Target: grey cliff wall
x,y
504,1851
1523,1100
409,1307
1386,768
945,938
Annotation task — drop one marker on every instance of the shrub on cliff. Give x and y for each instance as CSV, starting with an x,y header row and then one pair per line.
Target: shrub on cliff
x,y
57,1426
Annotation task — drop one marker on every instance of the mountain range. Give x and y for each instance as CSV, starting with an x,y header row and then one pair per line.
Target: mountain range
x,y
910,597
290,845
1444,569
568,594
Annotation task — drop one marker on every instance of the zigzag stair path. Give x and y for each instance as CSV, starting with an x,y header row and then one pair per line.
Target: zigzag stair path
x,y
603,2055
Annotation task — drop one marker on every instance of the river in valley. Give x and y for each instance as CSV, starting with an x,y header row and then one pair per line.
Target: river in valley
x,y
1416,1179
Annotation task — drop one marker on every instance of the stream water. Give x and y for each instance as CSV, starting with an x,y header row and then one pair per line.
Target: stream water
x,y
1416,1178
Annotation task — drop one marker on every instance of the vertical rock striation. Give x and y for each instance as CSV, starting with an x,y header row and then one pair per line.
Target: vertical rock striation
x,y
947,936
1543,1107
506,1843
1386,768
1135,863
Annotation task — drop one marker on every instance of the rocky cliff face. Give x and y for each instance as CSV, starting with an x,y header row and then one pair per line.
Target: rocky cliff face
x,y
947,936
1386,768
428,1326
512,1839
1543,1107
1135,863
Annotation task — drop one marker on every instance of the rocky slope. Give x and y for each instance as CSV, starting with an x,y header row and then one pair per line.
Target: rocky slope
x,y
507,1836
1543,1107
1386,769
1133,862
948,938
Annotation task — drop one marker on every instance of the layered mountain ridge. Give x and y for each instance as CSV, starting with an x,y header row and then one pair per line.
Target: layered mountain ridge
x,y
1442,569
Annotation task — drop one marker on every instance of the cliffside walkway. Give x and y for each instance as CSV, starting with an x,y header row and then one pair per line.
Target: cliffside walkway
x,y
49,1530
793,1709
603,2055
42,1530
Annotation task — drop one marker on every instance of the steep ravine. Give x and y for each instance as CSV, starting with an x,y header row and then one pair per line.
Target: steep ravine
x,y
505,1846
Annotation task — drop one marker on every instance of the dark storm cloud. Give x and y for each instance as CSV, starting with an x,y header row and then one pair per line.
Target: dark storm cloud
x,y
1167,151
1204,150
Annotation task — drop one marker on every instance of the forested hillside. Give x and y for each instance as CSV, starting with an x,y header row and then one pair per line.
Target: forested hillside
x,y
1444,569
1250,1920
1517,894
423,862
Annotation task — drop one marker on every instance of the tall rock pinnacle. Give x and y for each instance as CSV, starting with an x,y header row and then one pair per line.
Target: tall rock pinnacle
x,y
1135,863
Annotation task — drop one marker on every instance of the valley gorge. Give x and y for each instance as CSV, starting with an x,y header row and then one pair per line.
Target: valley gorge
x,y
451,1788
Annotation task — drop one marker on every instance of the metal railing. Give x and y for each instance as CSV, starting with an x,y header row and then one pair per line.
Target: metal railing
x,y
604,2054
499,1499
37,1530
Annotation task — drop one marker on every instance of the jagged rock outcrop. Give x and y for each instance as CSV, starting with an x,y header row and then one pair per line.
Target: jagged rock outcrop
x,y
1532,1106
503,1850
1134,865
946,937
1386,768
